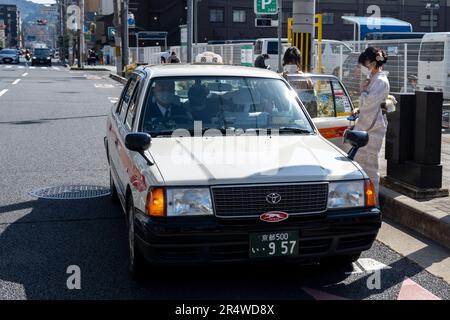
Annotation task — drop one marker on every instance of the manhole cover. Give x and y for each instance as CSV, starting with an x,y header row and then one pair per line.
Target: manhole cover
x,y
70,192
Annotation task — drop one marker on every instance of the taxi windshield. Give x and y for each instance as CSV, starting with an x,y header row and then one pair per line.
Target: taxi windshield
x,y
223,103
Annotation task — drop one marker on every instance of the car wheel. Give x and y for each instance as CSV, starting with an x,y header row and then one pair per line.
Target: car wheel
x,y
112,186
137,262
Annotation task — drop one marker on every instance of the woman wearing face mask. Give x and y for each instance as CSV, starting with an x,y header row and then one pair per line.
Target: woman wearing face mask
x,y
371,119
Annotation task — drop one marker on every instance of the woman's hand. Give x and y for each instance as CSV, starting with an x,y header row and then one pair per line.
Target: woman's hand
x,y
355,111
365,85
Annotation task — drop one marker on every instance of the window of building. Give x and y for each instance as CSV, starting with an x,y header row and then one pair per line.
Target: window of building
x,y
328,17
216,15
239,15
425,20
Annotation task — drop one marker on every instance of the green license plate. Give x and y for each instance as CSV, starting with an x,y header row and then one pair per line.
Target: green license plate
x,y
274,244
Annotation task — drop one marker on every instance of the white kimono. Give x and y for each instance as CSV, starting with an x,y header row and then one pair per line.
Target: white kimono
x,y
372,120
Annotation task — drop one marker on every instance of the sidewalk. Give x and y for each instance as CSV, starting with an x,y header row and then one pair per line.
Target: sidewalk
x,y
431,217
111,69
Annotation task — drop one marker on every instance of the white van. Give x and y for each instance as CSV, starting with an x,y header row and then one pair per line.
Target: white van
x,y
330,53
434,63
269,46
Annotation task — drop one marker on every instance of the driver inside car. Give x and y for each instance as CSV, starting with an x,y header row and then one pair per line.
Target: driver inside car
x,y
198,105
162,104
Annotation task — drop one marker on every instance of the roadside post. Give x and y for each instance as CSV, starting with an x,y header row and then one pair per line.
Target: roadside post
x,y
303,30
413,146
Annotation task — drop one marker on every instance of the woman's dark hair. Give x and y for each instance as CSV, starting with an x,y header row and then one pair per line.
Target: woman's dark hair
x,y
372,54
292,56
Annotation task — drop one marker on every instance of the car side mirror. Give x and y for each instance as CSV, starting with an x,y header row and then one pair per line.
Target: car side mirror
x,y
357,139
138,141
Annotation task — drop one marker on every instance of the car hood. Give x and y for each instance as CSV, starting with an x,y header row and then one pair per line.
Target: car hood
x,y
243,160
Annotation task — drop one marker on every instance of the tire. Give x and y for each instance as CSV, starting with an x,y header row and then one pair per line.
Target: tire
x,y
112,186
137,263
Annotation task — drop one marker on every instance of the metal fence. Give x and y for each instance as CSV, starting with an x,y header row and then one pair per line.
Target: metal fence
x,y
403,66
149,55
230,53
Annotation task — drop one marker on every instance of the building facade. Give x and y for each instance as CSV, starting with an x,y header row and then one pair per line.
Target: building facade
x,y
10,17
235,19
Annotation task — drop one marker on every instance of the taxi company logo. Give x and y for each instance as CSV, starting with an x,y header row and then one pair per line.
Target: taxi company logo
x,y
273,198
274,216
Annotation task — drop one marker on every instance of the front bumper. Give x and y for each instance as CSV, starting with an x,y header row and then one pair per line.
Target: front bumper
x,y
210,239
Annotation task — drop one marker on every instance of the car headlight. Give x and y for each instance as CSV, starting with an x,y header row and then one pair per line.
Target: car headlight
x,y
34,58
48,58
346,194
189,202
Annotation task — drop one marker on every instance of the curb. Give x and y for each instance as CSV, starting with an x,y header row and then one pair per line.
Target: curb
x,y
88,69
430,222
118,78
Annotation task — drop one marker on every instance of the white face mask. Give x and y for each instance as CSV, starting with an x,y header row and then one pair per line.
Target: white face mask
x,y
290,68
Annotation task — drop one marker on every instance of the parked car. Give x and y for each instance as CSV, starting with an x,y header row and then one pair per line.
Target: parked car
x,y
41,56
254,180
328,103
9,56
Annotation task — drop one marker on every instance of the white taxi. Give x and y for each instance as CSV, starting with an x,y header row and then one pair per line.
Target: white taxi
x,y
215,163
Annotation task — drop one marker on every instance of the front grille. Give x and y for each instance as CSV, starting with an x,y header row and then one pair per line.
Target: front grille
x,y
248,201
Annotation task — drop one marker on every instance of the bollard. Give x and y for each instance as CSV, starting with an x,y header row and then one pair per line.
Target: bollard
x,y
413,146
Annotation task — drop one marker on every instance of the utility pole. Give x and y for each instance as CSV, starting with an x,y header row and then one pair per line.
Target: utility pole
x,y
125,39
280,32
81,36
189,29
117,38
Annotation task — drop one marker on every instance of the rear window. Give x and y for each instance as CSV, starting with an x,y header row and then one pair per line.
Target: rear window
x,y
432,51
272,47
258,47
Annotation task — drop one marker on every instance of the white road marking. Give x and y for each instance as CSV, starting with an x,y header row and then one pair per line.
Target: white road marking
x,y
103,86
3,92
8,67
25,74
21,67
32,67
16,81
371,265
45,68
55,68
113,99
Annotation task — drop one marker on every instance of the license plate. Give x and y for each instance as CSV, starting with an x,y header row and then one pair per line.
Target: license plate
x,y
274,244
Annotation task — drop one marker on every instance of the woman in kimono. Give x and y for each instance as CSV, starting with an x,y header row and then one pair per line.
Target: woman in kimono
x,y
372,119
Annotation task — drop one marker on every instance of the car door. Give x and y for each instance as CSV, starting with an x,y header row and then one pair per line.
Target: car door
x,y
116,144
334,106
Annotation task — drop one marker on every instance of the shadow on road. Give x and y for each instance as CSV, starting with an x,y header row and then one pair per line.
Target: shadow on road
x,y
37,249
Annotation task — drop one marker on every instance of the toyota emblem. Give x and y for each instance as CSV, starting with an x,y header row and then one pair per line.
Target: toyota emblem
x,y
273,198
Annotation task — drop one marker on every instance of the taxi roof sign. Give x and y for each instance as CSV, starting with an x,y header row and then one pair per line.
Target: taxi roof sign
x,y
208,57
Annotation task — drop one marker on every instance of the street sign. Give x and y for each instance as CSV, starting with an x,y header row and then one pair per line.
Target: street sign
x,y
131,20
265,22
266,7
247,56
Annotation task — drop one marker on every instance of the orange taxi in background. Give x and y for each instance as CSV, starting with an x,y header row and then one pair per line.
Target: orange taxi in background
x,y
327,102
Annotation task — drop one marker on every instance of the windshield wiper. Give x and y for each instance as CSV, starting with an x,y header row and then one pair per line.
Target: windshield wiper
x,y
293,130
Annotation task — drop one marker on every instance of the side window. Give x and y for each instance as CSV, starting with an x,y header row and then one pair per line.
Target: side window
x,y
325,97
126,98
343,104
272,47
131,114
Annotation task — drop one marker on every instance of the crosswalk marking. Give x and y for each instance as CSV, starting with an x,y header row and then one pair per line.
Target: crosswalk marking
x,y
3,92
16,81
25,74
8,67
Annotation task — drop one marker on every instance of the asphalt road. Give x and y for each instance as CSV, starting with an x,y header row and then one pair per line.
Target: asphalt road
x,y
52,124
